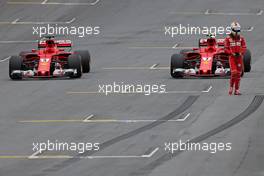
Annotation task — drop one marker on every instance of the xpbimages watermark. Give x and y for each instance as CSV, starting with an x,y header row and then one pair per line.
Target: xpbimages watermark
x,y
174,31
212,147
60,146
79,31
123,88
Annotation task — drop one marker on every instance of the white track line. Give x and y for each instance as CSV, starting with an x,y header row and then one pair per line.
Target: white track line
x,y
88,118
42,22
17,41
168,92
175,46
210,12
124,156
151,154
182,92
185,117
126,68
16,22
45,2
207,12
3,60
184,47
95,2
260,12
149,47
208,90
52,157
34,156
100,121
153,66
72,20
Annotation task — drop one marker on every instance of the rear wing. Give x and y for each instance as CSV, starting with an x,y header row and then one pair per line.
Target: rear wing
x,y
59,43
203,42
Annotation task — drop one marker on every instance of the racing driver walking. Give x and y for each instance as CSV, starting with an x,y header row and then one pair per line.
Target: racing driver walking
x,y
235,46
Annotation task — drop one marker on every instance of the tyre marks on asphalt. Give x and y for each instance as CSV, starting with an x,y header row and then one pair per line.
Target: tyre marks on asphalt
x,y
182,108
49,2
254,105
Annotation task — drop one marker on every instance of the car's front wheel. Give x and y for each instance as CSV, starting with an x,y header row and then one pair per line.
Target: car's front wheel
x,y
74,62
85,60
15,63
177,61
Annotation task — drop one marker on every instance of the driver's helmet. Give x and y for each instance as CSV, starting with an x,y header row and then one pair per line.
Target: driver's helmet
x,y
50,45
235,29
211,43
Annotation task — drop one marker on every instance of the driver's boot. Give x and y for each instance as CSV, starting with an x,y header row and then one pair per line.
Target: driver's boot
x,y
237,85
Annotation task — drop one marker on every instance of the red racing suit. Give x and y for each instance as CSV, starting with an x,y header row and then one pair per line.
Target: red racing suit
x,y
235,47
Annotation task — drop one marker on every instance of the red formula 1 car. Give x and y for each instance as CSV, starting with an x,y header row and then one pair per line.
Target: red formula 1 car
x,y
50,60
210,59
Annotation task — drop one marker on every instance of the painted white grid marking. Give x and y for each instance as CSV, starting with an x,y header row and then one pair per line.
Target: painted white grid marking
x,y
175,46
208,90
88,118
211,12
3,60
17,41
153,66
35,156
17,21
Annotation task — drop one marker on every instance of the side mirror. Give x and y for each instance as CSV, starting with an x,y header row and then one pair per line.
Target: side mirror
x,y
34,50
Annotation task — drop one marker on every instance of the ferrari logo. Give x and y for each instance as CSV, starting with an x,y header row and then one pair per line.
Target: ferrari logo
x,y
206,59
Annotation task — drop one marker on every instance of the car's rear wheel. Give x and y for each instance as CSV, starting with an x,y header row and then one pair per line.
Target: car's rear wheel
x,y
85,60
177,61
247,61
15,63
74,62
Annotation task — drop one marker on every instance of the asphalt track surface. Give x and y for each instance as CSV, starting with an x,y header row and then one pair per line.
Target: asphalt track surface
x,y
132,39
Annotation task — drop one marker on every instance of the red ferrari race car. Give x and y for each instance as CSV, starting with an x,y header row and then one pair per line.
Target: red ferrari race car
x,y
50,60
210,59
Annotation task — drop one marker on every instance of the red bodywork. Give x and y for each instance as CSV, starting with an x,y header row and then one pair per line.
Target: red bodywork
x,y
205,57
50,51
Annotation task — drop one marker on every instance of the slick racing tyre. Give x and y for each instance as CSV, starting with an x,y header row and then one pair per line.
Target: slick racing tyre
x,y
177,61
74,62
247,61
15,63
85,60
